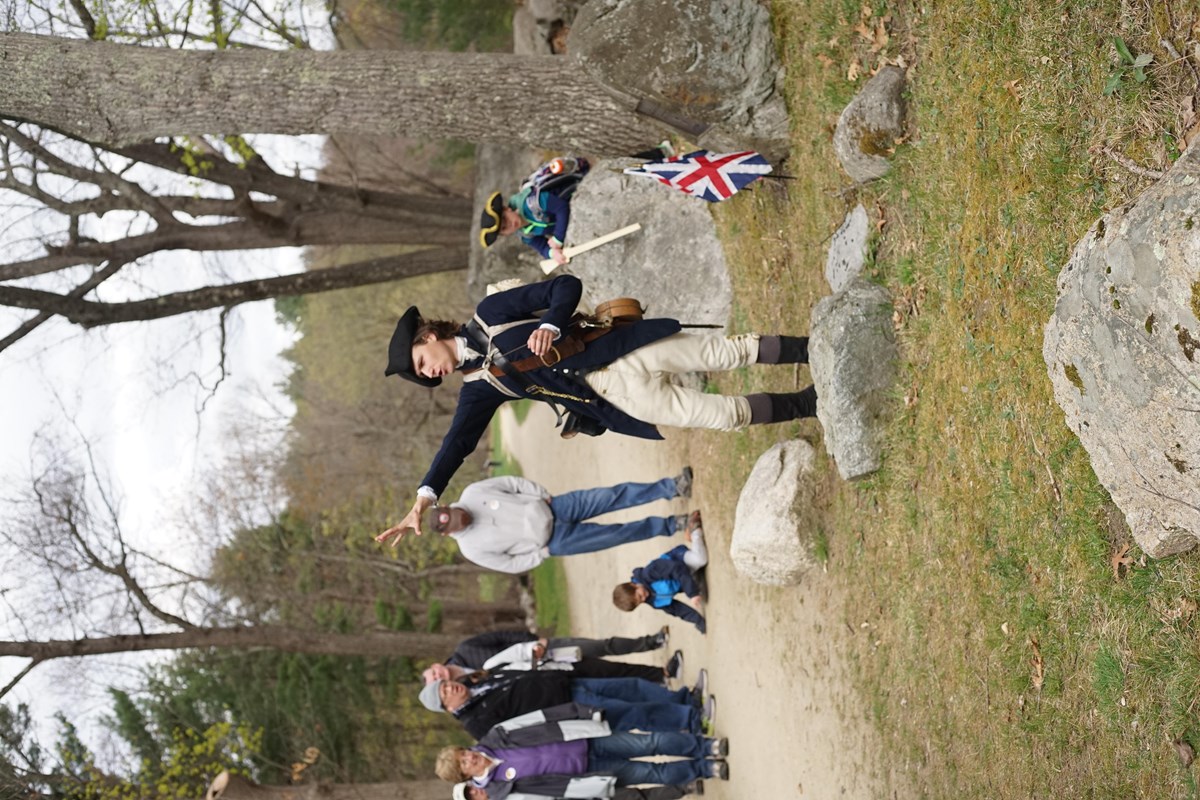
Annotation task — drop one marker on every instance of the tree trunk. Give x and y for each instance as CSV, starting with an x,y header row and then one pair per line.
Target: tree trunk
x,y
91,314
291,640
119,95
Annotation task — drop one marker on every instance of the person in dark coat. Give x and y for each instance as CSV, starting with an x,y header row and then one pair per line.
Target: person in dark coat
x,y
619,381
483,700
534,653
473,653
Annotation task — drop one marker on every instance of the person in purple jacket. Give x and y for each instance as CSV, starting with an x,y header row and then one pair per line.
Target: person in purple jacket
x,y
584,767
657,583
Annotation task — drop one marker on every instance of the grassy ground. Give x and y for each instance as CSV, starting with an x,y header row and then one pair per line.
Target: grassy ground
x,y
1000,649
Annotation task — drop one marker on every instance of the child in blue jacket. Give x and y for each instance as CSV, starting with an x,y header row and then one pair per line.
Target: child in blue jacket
x,y
657,583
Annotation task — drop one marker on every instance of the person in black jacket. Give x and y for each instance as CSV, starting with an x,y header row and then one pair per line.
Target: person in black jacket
x,y
620,381
473,653
482,700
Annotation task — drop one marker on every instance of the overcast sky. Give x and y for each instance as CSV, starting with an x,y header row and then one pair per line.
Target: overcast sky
x,y
135,392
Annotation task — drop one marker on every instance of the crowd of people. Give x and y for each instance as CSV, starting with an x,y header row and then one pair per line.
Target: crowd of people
x,y
560,717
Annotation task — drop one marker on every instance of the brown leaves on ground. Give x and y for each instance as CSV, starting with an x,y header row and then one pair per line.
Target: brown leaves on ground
x,y
1121,561
872,32
311,756
1189,122
1037,676
1181,611
1185,752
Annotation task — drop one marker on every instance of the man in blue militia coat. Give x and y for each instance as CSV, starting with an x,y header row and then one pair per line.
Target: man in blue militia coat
x,y
620,380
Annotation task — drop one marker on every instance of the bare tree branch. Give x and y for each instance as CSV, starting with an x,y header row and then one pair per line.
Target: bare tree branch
x,y
91,314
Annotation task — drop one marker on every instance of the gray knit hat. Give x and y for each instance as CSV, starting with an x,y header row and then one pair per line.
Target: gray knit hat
x,y
430,697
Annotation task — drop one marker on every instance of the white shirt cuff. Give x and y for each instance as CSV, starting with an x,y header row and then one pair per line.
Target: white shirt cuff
x,y
546,326
427,493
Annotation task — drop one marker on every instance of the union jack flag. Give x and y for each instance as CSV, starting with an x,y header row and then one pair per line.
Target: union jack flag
x,y
711,176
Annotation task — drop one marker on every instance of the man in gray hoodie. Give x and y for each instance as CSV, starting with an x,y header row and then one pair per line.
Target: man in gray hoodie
x,y
511,524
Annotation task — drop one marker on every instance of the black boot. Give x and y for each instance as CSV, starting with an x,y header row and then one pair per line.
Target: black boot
x,y
767,408
783,350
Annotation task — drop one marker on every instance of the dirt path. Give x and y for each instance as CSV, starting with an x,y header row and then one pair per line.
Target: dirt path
x,y
774,656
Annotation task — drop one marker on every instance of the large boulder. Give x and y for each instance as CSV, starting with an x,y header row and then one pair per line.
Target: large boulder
x,y
848,250
674,264
708,61
852,354
774,529
1122,350
868,128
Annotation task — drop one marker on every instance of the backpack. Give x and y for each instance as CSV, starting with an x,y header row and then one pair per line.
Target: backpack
x,y
559,176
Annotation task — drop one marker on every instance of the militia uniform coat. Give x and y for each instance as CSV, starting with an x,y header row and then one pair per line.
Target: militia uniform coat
x,y
552,302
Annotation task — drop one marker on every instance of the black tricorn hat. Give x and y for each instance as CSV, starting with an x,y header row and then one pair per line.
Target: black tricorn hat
x,y
400,349
489,220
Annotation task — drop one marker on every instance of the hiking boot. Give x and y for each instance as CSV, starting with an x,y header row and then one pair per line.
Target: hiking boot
x,y
683,483
718,748
695,787
718,770
662,637
674,665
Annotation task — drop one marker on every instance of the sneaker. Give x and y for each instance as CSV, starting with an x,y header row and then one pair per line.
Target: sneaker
x,y
708,716
662,637
701,687
683,483
718,748
675,665
696,787
694,522
718,770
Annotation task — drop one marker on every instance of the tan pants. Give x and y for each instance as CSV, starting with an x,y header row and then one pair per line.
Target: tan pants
x,y
639,383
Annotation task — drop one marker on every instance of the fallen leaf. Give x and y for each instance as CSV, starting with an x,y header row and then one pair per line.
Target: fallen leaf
x,y
311,754
852,73
1186,753
1121,558
864,33
833,41
880,39
1191,135
1013,87
825,60
1004,628
1038,677
867,12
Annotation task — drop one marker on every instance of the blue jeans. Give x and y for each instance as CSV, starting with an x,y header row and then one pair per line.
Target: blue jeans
x,y
572,536
630,703
613,754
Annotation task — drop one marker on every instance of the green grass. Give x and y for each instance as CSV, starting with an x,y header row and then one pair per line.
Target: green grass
x,y
980,552
550,592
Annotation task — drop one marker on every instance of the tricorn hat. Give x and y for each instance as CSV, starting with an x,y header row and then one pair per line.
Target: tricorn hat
x,y
400,349
489,220
459,792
